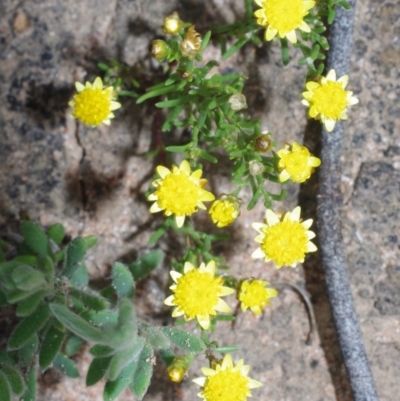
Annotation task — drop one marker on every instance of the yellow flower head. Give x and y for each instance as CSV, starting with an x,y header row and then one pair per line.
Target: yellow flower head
x,y
284,239
224,211
226,382
191,43
94,104
283,17
172,24
253,294
179,192
328,100
296,162
197,292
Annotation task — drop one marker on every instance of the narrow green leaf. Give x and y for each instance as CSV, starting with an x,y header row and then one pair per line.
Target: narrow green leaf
x,y
122,280
124,358
205,40
66,366
285,51
344,4
76,251
29,304
331,15
30,260
178,149
206,156
143,373
101,318
56,232
90,241
46,266
27,352
35,238
27,278
160,91
90,301
235,47
76,324
101,350
181,100
73,345
114,388
145,264
80,278
97,370
183,339
256,196
50,346
15,379
28,327
5,390
30,393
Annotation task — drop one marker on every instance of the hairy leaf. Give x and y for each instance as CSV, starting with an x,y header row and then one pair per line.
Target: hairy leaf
x,y
56,232
66,366
114,388
30,392
35,238
15,379
122,280
143,373
146,264
97,370
50,346
5,390
183,339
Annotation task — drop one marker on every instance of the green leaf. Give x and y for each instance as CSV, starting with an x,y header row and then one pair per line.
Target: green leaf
x,y
97,370
122,280
101,318
56,232
161,91
30,260
114,388
183,339
80,278
101,350
28,327
35,238
145,264
256,196
76,251
344,4
46,266
124,358
3,299
90,301
143,373
90,241
27,352
179,149
30,393
15,379
73,345
205,40
76,324
66,366
235,47
29,304
154,336
50,346
27,278
181,100
206,156
5,390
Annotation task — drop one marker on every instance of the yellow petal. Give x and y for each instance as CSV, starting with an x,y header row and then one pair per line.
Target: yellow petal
x,y
344,80
179,220
329,125
222,306
98,83
304,27
270,33
311,247
163,171
227,362
258,227
311,85
295,214
79,87
271,217
188,267
291,36
170,301
204,321
200,381
254,384
152,197
185,167
175,275
257,254
225,291
155,208
331,76
115,105
284,176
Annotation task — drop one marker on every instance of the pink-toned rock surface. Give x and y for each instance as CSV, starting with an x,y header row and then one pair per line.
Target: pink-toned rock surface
x,y
93,181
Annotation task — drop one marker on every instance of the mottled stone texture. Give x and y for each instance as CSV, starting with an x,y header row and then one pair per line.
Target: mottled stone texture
x,y
93,181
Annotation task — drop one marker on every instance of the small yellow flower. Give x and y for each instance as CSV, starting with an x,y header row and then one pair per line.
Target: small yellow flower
x,y
225,211
159,50
191,43
284,239
296,162
226,382
172,24
179,192
328,100
283,17
197,292
94,104
253,294
177,369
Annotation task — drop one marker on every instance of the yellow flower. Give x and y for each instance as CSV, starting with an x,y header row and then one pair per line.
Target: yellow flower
x,y
179,192
197,292
191,43
226,382
224,211
283,17
284,239
328,100
93,104
172,24
296,162
254,295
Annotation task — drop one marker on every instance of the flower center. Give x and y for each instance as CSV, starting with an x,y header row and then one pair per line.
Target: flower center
x,y
92,106
197,293
330,100
296,163
224,212
284,15
254,295
178,194
285,242
226,385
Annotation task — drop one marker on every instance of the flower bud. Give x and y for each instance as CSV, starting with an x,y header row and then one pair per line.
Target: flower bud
x,y
178,367
263,143
237,102
191,43
159,50
172,24
256,167
225,210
